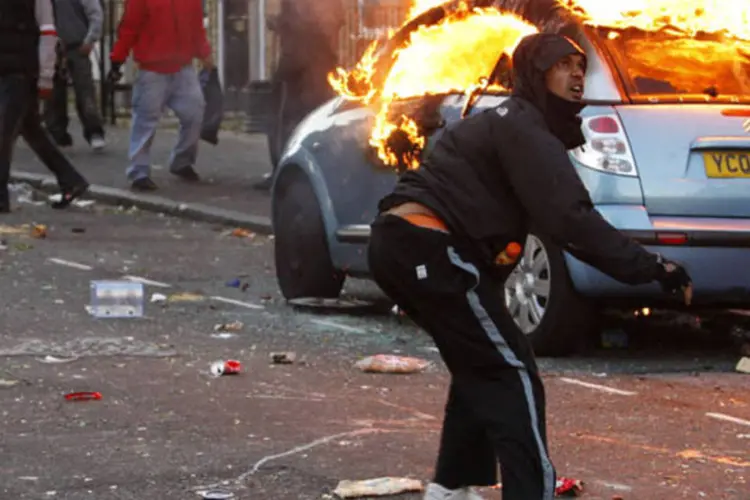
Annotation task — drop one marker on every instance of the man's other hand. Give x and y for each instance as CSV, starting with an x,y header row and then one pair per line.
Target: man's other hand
x,y
86,49
674,278
115,74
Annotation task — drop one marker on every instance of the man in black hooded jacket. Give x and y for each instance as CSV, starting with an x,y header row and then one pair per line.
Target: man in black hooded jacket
x,y
434,250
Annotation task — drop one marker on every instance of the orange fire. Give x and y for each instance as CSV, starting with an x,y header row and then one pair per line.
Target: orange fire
x,y
689,17
690,46
432,61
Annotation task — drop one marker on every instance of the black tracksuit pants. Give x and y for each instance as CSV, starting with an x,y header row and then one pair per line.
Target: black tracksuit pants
x,y
19,114
495,410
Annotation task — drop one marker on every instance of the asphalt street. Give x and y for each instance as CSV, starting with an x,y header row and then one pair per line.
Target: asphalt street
x,y
666,417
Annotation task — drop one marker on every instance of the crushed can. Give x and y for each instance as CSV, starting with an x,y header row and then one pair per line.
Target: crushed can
x,y
229,367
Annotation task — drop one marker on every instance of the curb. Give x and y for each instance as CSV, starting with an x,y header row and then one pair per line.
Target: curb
x,y
151,203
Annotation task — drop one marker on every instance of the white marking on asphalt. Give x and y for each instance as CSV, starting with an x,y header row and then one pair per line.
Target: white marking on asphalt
x,y
333,324
324,440
68,263
304,447
597,387
615,486
237,303
728,418
146,281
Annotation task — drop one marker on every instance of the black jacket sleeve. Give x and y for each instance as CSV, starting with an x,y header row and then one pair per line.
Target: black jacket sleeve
x,y
557,202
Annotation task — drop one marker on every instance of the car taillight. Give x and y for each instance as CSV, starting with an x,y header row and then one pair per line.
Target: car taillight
x,y
606,148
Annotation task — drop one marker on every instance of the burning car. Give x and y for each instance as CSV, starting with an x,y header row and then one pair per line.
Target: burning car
x,y
667,158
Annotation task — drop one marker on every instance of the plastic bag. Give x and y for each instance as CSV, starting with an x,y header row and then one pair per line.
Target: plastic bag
x,y
214,113
388,363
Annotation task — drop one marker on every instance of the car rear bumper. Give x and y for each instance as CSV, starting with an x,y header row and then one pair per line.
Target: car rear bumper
x,y
716,253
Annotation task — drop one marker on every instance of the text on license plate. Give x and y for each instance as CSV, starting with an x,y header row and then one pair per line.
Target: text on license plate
x,y
727,163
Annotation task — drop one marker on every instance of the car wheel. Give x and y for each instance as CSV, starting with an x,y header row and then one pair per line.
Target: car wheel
x,y
543,304
303,261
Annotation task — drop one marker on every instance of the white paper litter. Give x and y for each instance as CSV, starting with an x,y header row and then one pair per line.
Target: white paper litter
x,y
380,486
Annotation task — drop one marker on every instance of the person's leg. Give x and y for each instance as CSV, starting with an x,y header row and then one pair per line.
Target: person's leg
x,y
71,182
12,108
85,94
466,455
507,394
493,376
56,111
397,253
149,96
186,100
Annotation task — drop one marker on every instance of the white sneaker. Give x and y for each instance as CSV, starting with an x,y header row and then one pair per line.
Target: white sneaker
x,y
436,492
98,143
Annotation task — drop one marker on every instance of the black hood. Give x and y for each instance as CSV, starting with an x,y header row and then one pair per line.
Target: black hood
x,y
533,57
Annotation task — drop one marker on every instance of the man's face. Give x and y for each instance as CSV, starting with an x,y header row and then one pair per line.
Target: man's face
x,y
565,78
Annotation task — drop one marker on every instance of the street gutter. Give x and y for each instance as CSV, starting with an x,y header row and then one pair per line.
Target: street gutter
x,y
120,197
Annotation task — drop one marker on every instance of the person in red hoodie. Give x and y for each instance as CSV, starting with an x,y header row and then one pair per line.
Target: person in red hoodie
x,y
165,36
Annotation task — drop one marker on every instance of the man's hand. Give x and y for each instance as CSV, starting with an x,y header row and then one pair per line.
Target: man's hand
x,y
86,48
673,278
114,74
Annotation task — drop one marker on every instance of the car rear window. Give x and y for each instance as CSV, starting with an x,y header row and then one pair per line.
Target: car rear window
x,y
660,64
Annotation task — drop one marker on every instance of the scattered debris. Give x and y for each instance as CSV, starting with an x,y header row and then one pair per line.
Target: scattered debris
x,y
223,335
216,495
7,383
242,233
744,365
23,229
158,298
116,299
39,231
55,359
235,283
566,487
185,297
283,358
78,230
22,247
3,245
234,326
83,396
388,363
230,367
377,487
350,305
26,193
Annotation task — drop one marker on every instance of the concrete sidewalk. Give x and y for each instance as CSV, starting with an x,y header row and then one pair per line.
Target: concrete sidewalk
x,y
225,193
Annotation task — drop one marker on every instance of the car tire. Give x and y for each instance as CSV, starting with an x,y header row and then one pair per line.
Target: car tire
x,y
567,319
303,260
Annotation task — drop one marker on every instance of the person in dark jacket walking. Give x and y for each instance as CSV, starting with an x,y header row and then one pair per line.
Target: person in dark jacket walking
x,y
165,37
438,249
79,26
308,34
27,62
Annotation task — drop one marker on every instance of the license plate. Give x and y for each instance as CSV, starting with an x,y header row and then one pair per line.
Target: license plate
x,y
727,164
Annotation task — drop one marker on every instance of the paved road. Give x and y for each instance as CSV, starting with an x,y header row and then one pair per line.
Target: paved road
x,y
665,419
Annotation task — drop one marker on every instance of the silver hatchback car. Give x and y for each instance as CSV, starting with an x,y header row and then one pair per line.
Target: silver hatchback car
x,y
667,161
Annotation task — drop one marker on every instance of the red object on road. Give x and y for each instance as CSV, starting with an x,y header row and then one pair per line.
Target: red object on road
x,y
232,367
83,396
566,487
